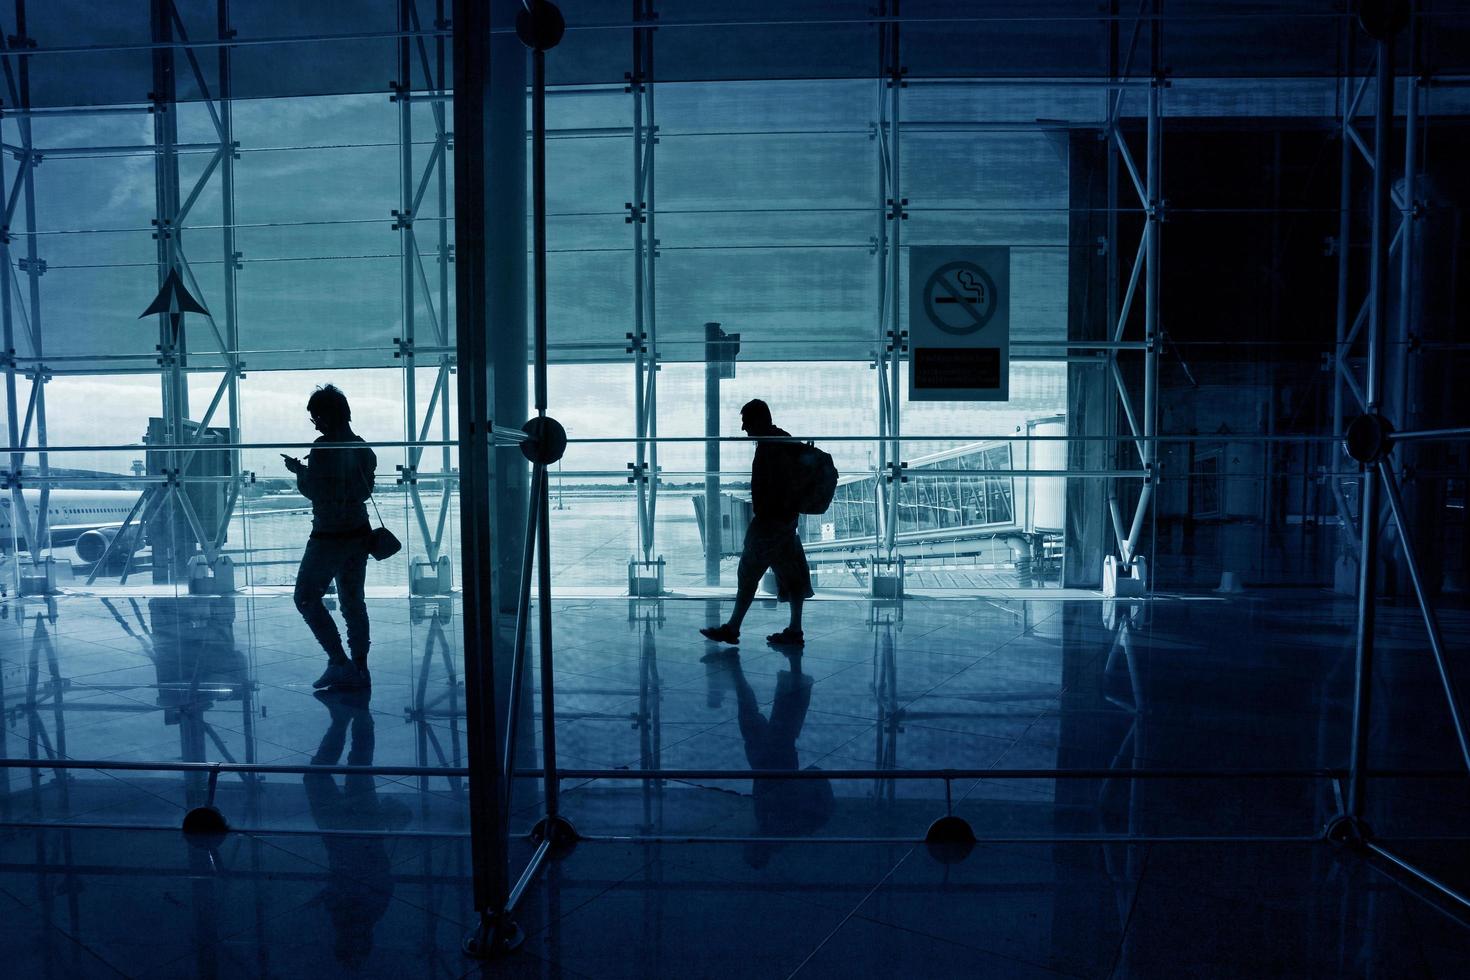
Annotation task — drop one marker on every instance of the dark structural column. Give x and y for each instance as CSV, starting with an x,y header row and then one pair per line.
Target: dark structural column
x,y
474,268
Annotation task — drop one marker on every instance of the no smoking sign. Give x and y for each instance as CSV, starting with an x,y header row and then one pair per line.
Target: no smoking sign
x,y
959,298
959,323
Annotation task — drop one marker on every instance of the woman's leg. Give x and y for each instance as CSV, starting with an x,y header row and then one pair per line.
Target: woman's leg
x,y
350,579
318,567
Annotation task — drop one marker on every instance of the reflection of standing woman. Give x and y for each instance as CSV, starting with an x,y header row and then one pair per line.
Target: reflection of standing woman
x,y
337,481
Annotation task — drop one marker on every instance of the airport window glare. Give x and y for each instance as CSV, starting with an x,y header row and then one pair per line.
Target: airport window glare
x,y
296,244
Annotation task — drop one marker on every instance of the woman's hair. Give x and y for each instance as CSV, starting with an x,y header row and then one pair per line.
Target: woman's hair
x,y
330,405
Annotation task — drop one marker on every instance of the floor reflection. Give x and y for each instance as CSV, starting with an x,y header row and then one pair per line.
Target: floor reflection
x,y
976,684
783,807
360,886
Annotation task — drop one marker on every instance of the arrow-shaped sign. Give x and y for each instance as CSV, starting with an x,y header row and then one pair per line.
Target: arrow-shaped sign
x,y
173,298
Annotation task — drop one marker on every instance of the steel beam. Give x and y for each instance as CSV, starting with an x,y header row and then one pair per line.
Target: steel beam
x,y
1368,499
473,202
643,343
892,77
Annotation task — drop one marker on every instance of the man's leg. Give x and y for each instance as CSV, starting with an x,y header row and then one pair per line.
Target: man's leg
x,y
795,576
747,577
796,603
318,567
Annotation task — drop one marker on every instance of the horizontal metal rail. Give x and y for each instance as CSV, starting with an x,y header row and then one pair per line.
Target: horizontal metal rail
x,y
106,765
979,839
638,839
516,435
1416,434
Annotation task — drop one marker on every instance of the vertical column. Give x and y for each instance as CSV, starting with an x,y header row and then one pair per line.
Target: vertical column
x,y
446,359
19,518
505,163
650,285
479,117
172,537
880,252
1344,236
227,234
895,215
34,267
713,523
23,530
638,345
1368,512
407,256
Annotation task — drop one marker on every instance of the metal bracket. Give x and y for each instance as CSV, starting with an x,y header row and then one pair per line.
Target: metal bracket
x,y
407,474
902,346
25,266
896,208
635,213
897,473
402,219
1348,831
641,343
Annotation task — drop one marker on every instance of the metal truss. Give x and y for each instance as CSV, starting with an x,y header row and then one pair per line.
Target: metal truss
x,y
1349,395
1146,185
1371,440
643,341
23,305
416,180
171,216
892,340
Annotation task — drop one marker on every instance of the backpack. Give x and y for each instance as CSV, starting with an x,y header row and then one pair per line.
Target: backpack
x,y
814,479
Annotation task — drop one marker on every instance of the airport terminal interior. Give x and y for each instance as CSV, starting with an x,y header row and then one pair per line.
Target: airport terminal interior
x,y
1136,642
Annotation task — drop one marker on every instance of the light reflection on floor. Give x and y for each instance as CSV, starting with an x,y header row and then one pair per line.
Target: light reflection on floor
x,y
975,684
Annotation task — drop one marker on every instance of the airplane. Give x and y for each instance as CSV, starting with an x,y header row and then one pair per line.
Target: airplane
x,y
85,519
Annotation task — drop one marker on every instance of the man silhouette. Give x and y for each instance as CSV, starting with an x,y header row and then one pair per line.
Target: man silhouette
x,y
337,481
771,541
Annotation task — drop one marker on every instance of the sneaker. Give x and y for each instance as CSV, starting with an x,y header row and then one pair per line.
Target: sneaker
x,y
722,634
787,638
338,675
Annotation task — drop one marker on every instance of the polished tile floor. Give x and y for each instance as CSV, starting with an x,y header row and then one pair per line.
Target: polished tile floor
x,y
369,874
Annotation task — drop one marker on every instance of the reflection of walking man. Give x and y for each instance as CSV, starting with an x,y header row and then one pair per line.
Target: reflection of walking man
x,y
337,482
771,541
783,807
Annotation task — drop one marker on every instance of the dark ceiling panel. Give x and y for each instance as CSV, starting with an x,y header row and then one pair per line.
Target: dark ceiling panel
x,y
95,52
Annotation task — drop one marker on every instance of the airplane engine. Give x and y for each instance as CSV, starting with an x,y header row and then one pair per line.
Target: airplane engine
x,y
92,544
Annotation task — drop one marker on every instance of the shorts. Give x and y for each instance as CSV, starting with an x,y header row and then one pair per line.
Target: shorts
x,y
774,545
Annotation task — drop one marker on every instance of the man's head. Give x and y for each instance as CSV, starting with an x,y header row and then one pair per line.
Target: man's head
x,y
328,409
755,418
